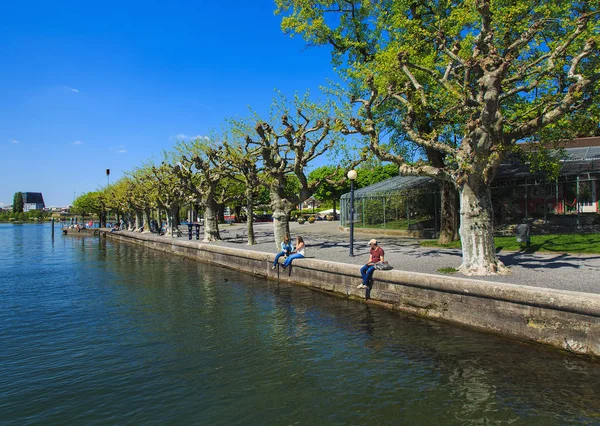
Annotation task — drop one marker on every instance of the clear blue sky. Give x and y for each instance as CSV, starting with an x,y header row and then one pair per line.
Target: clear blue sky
x,y
87,86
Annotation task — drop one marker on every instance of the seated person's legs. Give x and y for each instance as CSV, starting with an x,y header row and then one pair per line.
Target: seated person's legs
x,y
288,261
277,256
363,273
369,275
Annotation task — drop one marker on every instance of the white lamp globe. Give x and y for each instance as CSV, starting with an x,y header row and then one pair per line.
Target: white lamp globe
x,y
352,174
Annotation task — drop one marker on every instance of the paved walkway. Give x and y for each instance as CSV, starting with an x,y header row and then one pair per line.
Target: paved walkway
x,y
325,240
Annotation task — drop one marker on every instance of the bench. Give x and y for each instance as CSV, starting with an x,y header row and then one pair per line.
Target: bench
x,y
191,227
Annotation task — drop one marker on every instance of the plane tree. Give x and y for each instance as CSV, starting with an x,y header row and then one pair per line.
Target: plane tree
x,y
169,194
468,80
242,161
347,27
94,202
144,195
122,202
287,146
203,174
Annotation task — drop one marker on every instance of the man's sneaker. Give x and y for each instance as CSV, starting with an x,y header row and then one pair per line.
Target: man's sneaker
x,y
362,286
274,267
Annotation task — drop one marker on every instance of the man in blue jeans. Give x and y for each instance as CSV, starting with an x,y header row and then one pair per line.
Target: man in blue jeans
x,y
376,256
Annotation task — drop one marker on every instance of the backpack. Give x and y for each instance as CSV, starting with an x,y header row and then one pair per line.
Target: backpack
x,y
383,266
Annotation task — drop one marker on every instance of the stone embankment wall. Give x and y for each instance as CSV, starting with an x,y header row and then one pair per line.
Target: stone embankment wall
x,y
564,319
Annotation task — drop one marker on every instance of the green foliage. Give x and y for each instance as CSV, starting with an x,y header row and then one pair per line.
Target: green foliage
x,y
370,174
329,190
30,216
91,202
430,62
17,202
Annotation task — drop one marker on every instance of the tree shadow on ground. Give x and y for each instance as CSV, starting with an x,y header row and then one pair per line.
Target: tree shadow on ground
x,y
416,252
563,260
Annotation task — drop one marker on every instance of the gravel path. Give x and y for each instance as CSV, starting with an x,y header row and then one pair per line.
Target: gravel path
x,y
325,240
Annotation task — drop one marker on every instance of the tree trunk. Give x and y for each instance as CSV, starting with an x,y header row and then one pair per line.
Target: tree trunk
x,y
221,213
448,213
281,214
139,222
237,210
250,221
211,224
477,232
172,228
334,211
147,221
176,219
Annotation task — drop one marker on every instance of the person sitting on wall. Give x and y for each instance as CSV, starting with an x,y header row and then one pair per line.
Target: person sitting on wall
x,y
286,250
375,257
298,253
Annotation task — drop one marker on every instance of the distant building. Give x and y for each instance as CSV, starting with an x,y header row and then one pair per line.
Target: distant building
x,y
33,201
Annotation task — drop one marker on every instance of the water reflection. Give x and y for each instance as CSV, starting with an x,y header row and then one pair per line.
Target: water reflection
x,y
117,331
312,340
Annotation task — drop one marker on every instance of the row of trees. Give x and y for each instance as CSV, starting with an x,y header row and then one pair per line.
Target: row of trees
x,y
254,162
443,89
32,215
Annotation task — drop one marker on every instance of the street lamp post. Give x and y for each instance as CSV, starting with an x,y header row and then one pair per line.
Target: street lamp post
x,y
352,176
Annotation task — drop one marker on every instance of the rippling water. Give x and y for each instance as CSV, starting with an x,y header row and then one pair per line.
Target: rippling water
x,y
97,332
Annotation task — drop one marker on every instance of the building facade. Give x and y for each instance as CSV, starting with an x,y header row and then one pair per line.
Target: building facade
x,y
518,193
33,201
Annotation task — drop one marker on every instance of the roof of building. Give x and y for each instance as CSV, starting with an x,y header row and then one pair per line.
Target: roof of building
x,y
567,143
33,198
393,184
578,160
582,156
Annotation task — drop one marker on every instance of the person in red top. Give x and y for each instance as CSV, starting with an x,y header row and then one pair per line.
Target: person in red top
x,y
376,256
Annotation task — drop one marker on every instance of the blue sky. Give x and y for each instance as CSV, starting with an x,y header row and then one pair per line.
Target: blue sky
x,y
89,86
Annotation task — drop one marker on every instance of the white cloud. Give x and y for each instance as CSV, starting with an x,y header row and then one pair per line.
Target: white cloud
x,y
121,149
2,204
14,141
77,143
71,89
184,137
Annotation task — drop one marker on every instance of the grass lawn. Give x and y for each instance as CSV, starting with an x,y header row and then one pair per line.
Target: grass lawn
x,y
558,243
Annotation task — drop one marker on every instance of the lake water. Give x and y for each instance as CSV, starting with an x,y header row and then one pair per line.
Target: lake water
x,y
100,332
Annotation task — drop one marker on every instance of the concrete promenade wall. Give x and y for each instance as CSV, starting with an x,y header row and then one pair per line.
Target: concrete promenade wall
x,y
564,319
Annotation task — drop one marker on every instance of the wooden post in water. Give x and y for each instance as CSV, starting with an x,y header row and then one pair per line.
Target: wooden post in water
x,y
52,228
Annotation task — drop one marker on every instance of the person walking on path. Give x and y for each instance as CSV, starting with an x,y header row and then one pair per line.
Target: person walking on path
x,y
286,250
298,253
375,257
